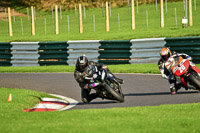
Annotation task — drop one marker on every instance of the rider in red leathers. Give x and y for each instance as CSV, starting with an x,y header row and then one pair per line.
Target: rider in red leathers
x,y
174,83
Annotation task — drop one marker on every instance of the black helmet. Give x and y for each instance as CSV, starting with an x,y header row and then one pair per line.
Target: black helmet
x,y
82,63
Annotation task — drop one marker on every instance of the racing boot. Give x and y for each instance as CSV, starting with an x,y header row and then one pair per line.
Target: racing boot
x,y
178,87
173,90
90,97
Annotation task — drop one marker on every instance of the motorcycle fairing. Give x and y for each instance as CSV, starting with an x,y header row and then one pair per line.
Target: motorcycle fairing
x,y
181,68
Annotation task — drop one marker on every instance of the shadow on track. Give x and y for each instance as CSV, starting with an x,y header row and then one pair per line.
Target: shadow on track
x,y
159,93
102,102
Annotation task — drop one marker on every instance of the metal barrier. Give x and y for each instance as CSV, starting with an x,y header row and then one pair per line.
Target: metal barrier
x,y
53,53
5,54
114,52
78,48
188,45
108,52
146,50
24,53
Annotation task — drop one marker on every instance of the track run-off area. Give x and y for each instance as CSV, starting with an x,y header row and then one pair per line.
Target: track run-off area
x,y
139,89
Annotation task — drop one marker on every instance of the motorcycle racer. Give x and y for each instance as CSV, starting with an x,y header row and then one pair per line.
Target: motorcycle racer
x,y
81,65
174,82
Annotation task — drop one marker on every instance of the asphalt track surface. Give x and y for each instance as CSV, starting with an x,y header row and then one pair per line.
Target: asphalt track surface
x,y
139,89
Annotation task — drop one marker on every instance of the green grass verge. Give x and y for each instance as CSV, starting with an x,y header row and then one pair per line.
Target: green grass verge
x,y
124,33
22,99
127,68
155,119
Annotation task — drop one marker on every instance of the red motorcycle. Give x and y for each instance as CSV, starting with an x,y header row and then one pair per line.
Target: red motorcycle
x,y
184,71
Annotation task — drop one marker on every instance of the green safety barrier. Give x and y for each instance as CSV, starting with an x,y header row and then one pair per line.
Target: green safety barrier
x,y
53,53
110,52
115,52
188,45
5,54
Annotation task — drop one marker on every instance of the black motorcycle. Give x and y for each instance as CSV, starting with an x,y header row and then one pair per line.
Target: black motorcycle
x,y
104,83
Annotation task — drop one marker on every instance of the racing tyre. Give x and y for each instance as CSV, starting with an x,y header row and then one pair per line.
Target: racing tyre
x,y
195,80
119,97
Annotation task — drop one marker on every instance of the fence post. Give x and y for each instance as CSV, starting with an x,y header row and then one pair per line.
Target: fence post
x,y
133,14
10,22
13,14
56,19
107,18
190,13
175,17
22,27
68,23
80,20
161,14
27,13
32,21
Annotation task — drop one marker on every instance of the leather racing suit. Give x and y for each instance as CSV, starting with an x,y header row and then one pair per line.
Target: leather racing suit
x,y
173,82
85,91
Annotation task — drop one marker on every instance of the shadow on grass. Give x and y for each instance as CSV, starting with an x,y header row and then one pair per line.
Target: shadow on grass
x,y
159,93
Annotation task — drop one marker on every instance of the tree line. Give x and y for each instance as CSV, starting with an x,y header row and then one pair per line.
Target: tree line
x,y
69,4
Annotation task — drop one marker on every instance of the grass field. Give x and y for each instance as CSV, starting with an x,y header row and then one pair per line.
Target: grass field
x,y
128,68
124,33
166,118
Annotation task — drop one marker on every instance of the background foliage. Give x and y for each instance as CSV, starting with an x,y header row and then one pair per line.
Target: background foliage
x,y
69,4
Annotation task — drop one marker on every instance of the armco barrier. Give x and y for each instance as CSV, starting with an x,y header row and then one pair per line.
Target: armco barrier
x,y
77,48
5,54
24,53
146,50
188,45
53,53
108,52
114,52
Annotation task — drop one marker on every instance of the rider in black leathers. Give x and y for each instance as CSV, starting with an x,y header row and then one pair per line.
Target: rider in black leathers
x,y
81,64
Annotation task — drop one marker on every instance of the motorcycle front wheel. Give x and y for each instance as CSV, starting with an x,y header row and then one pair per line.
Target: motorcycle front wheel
x,y
194,79
119,97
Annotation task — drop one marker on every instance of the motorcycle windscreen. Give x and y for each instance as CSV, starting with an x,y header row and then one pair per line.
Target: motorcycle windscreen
x,y
181,68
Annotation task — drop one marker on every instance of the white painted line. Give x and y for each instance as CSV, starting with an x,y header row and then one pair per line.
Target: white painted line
x,y
49,106
54,100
